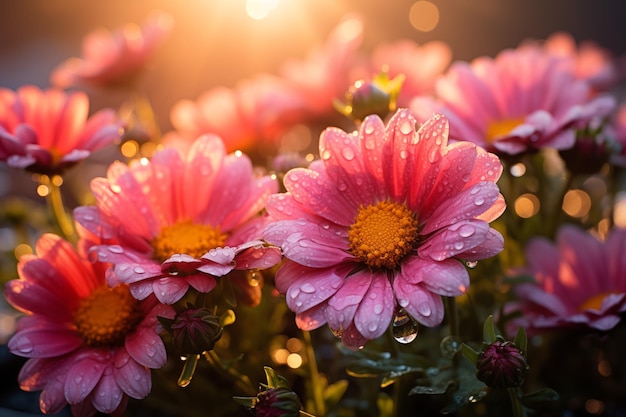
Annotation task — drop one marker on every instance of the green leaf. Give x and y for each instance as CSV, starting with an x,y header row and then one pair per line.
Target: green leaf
x,y
521,340
469,353
539,398
247,402
489,330
274,380
334,392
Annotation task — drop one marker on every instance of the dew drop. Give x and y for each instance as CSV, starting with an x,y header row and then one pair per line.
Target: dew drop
x,y
24,345
406,127
404,154
294,292
348,154
458,245
78,379
369,129
450,346
466,230
139,270
254,278
370,142
115,188
372,327
424,309
471,264
307,287
326,155
116,249
479,201
378,308
404,328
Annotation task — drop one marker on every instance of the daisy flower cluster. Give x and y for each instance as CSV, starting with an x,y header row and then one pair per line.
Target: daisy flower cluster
x,y
355,220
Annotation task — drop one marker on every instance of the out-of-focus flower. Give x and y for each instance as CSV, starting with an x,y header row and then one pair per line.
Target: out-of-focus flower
x,y
179,220
383,221
501,364
250,116
376,96
194,330
114,58
588,61
327,72
617,131
421,65
89,345
580,281
522,100
48,131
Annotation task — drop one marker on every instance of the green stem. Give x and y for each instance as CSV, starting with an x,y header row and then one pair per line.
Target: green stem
x,y
55,202
453,319
189,368
516,403
314,377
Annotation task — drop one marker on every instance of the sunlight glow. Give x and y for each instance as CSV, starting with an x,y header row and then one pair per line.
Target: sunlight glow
x,y
260,9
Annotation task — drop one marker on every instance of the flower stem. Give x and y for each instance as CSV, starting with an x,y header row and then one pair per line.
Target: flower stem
x,y
516,403
189,368
314,377
55,202
452,315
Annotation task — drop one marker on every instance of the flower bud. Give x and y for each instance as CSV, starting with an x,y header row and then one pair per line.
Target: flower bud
x,y
377,96
194,330
277,402
501,365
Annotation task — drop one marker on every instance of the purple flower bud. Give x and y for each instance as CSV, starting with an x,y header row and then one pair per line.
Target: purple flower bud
x,y
194,330
277,402
501,365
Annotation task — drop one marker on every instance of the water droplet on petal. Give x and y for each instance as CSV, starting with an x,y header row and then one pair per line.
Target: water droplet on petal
x,y
369,129
404,328
348,154
115,188
116,249
406,127
424,309
294,292
370,142
404,154
308,288
372,327
139,270
378,308
458,245
24,345
466,230
479,201
326,155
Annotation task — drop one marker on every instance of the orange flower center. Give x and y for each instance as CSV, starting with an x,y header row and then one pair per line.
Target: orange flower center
x,y
186,238
499,128
382,234
107,316
595,302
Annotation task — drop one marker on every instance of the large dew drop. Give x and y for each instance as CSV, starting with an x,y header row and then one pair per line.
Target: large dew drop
x,y
404,328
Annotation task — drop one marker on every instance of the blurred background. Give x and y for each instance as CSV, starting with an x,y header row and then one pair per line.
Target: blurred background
x,y
218,42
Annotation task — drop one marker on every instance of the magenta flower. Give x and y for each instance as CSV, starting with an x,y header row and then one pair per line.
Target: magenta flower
x,y
88,345
580,281
48,131
114,58
179,220
522,100
382,222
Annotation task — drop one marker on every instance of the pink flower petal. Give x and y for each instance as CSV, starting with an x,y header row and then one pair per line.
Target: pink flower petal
x,y
82,378
377,308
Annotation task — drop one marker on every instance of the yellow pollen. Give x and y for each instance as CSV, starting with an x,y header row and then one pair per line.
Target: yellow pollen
x,y
594,302
382,234
107,316
503,127
186,238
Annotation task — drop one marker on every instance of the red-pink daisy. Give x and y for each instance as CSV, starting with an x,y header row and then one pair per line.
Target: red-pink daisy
x,y
114,58
579,281
48,131
382,222
179,219
524,99
90,345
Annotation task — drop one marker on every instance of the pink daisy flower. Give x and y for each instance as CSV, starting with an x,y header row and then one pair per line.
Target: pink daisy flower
x,y
522,100
114,58
580,281
88,345
381,223
48,131
179,220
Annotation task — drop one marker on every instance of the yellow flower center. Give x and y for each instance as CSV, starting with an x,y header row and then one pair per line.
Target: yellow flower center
x,y
503,127
107,316
186,238
382,234
594,302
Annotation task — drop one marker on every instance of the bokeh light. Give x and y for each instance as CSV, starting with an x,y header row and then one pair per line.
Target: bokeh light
x,y
527,205
260,9
576,203
424,16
